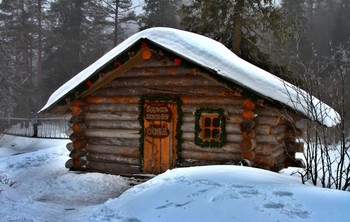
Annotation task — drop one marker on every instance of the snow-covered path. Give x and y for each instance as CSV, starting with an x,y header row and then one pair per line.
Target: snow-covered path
x,y
44,190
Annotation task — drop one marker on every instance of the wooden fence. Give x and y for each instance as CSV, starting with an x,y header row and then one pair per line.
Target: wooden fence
x,y
47,127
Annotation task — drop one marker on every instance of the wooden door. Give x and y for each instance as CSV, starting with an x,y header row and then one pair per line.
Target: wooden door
x,y
159,152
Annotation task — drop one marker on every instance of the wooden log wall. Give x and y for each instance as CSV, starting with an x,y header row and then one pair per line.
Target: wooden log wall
x,y
106,132
112,131
193,154
276,136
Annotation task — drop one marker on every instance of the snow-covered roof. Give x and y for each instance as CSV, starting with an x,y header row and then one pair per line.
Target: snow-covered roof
x,y
212,55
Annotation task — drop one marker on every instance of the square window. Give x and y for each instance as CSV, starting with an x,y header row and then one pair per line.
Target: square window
x,y
210,127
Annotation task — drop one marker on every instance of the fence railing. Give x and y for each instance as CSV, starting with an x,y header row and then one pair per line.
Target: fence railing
x,y
45,127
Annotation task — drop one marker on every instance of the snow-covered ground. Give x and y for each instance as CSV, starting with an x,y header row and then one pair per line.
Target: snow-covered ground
x,y
35,186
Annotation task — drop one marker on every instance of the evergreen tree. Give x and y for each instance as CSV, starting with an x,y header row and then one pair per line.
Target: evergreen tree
x,y
295,12
341,25
247,27
77,38
161,13
8,83
120,12
18,30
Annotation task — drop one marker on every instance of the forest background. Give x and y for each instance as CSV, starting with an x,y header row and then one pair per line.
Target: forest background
x,y
44,43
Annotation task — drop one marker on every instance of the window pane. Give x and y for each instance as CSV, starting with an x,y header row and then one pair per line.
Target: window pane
x,y
216,133
216,122
207,122
207,133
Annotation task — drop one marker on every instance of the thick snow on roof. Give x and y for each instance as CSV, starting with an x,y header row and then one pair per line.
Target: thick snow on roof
x,y
215,56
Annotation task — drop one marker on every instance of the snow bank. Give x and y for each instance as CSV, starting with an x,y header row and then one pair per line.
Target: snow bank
x,y
225,193
40,188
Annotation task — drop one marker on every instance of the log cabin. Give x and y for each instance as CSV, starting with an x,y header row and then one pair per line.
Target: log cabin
x,y
166,98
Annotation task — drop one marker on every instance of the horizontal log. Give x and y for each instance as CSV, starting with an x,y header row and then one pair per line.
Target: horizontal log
x,y
269,120
193,162
264,149
261,129
268,111
295,147
234,119
271,139
77,136
272,112
164,80
114,150
112,99
264,160
280,137
112,116
230,127
128,142
279,153
229,109
210,100
108,158
173,90
160,62
188,127
151,68
219,157
227,148
294,132
113,168
278,148
279,129
233,138
77,153
188,118
116,133
112,107
112,124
